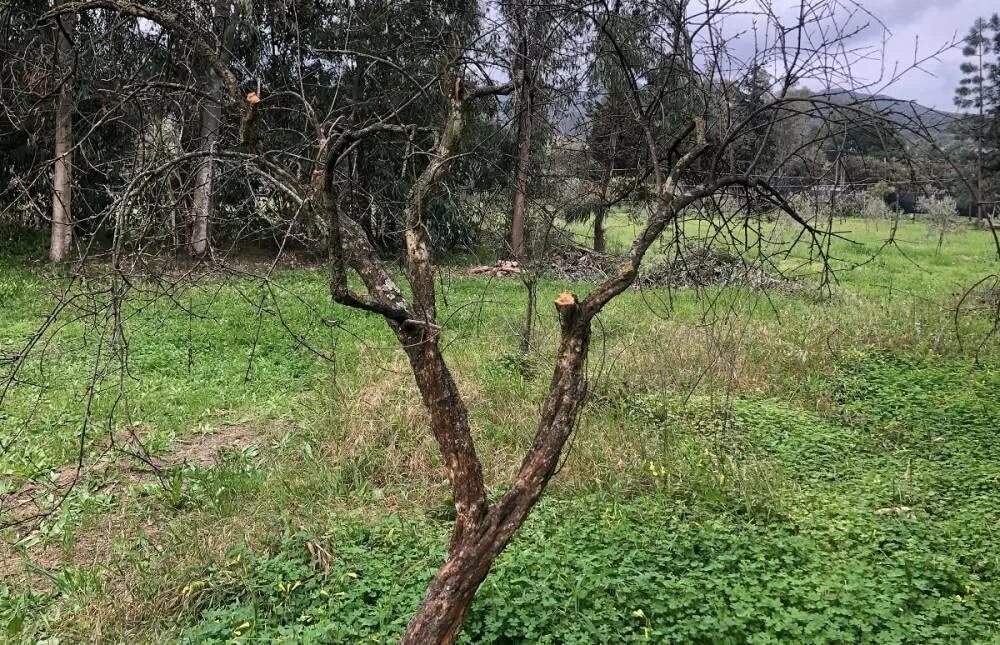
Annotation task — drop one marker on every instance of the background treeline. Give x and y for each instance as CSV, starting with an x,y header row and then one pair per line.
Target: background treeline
x,y
118,116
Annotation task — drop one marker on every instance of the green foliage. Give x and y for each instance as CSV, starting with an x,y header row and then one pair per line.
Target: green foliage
x,y
240,361
887,538
843,489
978,96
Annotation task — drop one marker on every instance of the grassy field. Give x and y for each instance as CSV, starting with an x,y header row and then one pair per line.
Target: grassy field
x,y
750,467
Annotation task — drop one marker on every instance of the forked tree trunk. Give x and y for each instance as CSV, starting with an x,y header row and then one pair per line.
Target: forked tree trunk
x,y
62,181
481,530
474,547
476,543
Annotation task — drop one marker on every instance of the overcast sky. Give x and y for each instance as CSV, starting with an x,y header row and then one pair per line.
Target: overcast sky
x,y
931,24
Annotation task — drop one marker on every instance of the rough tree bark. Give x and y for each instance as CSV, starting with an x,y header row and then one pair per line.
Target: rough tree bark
x,y
481,537
210,117
519,214
600,244
201,201
481,530
62,181
473,549
524,68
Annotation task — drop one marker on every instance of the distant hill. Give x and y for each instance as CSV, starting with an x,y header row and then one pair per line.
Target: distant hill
x,y
910,116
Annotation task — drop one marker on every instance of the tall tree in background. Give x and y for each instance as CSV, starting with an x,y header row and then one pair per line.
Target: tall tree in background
x,y
750,98
224,17
978,92
625,68
62,174
610,117
527,25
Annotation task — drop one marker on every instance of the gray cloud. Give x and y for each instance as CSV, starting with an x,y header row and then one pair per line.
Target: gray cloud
x,y
916,29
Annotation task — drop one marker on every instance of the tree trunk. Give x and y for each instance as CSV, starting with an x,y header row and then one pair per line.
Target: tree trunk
x,y
519,215
481,531
210,111
599,243
450,595
602,210
201,207
531,285
449,420
977,205
62,182
525,130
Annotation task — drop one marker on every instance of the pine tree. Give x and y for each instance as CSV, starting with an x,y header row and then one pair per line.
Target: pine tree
x,y
978,94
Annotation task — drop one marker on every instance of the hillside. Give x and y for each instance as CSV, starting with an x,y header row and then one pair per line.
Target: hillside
x,y
911,117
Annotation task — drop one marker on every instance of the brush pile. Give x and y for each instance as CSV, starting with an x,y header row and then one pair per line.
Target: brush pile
x,y
695,268
501,269
704,267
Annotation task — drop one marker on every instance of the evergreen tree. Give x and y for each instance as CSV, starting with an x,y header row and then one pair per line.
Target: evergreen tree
x,y
978,94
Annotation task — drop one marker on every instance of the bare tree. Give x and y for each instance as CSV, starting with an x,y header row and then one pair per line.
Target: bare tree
x,y
523,67
675,147
678,104
225,15
531,32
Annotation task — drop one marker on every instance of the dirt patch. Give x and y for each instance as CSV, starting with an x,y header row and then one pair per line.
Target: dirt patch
x,y
205,451
33,566
125,462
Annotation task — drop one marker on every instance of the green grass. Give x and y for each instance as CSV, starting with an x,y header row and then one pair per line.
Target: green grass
x,y
911,264
771,469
